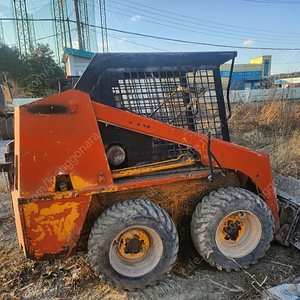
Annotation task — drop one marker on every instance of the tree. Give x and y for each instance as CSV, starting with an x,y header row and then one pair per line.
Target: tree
x,y
11,63
29,72
41,65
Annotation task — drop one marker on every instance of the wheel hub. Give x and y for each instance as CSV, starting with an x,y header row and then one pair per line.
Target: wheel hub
x,y
232,230
133,244
238,234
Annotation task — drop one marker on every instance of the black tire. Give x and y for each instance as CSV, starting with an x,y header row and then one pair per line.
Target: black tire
x,y
232,228
133,244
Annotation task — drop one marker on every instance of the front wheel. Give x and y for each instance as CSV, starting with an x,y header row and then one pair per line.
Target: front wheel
x,y
133,244
232,228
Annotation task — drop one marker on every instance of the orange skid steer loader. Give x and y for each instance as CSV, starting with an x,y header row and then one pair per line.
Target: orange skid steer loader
x,y
135,158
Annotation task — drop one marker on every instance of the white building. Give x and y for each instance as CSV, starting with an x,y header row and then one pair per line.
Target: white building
x,y
76,61
287,82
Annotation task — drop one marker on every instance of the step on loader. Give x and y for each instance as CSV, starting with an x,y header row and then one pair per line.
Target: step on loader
x,y
136,158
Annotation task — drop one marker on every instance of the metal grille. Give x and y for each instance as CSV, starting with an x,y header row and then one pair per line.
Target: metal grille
x,y
182,98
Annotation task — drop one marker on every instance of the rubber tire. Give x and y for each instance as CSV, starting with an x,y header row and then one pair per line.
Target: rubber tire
x,y
116,219
213,209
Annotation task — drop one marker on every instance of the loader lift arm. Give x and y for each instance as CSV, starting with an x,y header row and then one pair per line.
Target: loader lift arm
x,y
230,156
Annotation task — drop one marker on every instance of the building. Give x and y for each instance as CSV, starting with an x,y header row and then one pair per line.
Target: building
x,y
250,75
287,82
76,61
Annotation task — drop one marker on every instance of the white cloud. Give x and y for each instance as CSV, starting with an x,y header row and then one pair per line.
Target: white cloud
x,y
135,18
248,43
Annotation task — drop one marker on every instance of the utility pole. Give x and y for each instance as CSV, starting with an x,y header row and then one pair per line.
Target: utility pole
x,y
103,26
22,27
78,26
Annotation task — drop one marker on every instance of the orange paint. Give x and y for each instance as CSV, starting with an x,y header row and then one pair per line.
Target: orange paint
x,y
67,141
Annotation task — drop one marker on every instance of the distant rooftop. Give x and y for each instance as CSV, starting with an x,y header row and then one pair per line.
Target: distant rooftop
x,y
76,52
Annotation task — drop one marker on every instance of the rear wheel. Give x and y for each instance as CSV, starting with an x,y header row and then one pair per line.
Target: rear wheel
x,y
133,244
232,228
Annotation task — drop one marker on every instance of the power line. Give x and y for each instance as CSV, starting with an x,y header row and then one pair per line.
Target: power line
x,y
26,19
139,44
37,9
49,36
126,28
202,20
43,38
185,26
193,42
218,29
172,39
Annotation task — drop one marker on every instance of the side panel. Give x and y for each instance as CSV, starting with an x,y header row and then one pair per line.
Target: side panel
x,y
54,136
59,135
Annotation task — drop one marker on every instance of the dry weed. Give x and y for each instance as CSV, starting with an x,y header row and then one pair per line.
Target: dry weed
x,y
272,127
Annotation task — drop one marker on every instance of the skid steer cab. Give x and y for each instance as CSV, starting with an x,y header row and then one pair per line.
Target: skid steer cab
x,y
135,159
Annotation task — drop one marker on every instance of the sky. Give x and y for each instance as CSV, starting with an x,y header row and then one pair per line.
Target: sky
x,y
190,25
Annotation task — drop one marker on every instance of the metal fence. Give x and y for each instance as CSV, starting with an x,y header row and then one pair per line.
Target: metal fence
x,y
264,94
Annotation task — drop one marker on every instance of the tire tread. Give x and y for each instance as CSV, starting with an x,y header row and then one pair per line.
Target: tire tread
x,y
205,213
125,210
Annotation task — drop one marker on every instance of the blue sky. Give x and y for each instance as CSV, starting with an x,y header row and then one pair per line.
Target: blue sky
x,y
237,23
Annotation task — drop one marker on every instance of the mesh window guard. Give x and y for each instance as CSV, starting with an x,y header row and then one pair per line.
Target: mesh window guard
x,y
182,98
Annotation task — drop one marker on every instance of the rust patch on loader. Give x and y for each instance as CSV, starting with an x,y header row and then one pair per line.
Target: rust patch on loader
x,y
53,227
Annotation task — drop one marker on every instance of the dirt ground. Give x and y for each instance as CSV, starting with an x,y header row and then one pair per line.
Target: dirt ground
x,y
191,278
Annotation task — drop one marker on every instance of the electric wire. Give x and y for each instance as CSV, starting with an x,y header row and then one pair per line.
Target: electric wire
x,y
186,25
139,44
126,28
196,43
265,40
38,9
189,18
173,39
